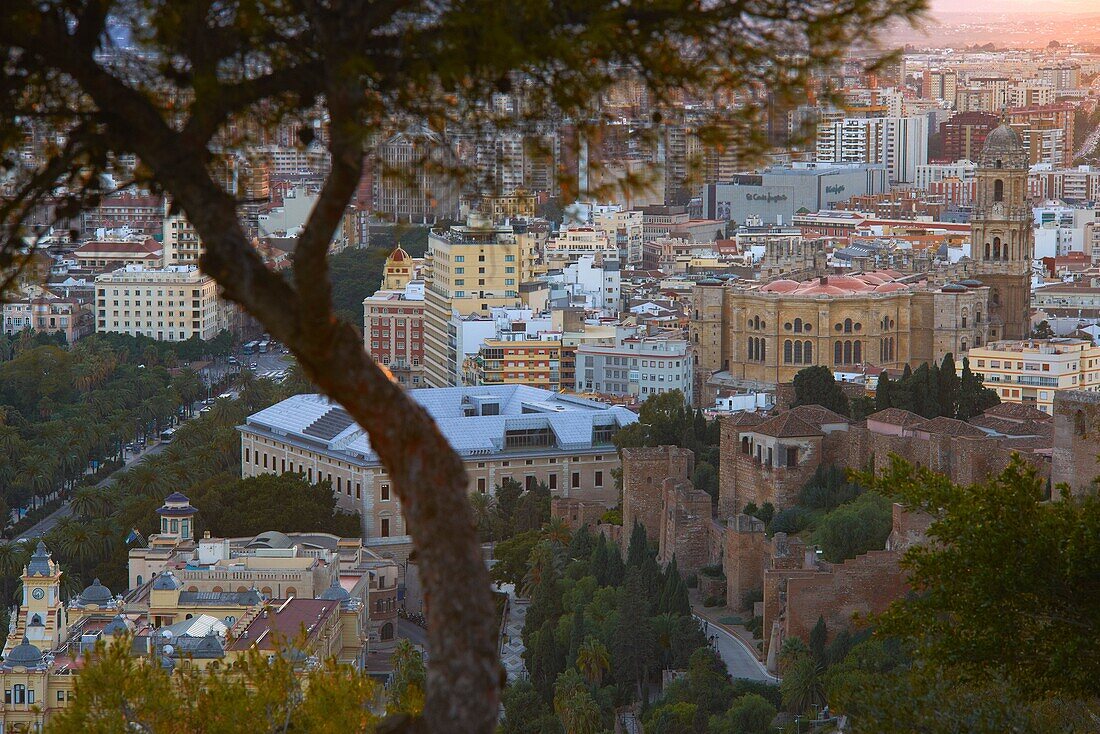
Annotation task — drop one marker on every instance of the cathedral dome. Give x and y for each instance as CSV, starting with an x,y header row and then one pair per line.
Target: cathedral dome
x,y
783,285
1003,149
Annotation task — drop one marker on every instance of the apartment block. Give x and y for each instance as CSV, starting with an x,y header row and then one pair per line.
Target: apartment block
x,y
636,364
171,304
470,269
1033,370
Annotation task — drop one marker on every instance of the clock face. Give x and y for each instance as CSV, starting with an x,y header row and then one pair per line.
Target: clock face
x,y
38,593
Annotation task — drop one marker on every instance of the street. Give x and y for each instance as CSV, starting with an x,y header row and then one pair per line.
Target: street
x,y
739,659
47,523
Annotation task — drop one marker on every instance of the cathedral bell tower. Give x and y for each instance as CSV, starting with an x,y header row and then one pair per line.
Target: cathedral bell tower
x,y
1000,233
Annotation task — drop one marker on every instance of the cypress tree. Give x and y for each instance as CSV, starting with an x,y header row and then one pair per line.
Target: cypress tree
x,y
949,387
818,636
639,546
615,568
884,392
598,565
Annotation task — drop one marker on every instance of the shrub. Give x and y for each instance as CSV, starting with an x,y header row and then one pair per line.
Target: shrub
x,y
693,581
714,571
756,627
711,601
612,517
790,520
855,528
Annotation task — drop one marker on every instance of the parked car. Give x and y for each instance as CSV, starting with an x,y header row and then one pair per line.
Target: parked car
x,y
233,360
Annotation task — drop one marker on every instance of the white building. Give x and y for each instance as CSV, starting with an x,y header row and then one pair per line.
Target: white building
x,y
170,304
636,364
901,143
930,173
569,244
1060,230
591,286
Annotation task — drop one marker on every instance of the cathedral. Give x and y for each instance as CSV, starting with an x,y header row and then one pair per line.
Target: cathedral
x,y
1001,244
761,333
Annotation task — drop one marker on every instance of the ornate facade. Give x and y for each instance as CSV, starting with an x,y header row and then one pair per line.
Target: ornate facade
x,y
763,334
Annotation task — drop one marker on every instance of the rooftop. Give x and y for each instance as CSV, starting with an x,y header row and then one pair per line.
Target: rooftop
x,y
475,420
283,621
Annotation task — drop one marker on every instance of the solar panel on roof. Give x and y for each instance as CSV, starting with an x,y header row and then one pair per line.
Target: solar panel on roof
x,y
330,425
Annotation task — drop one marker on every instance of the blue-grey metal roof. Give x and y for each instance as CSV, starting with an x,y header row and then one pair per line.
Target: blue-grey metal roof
x,y
39,565
570,418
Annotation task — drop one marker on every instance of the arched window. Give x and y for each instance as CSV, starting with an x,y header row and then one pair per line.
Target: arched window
x,y
998,189
977,317
763,350
857,351
808,352
386,633
745,448
995,297
987,256
847,352
964,318
964,345
847,326
798,326
787,351
139,580
798,352
838,355
750,348
996,248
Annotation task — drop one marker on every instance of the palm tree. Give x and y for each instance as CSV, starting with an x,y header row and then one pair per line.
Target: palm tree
x,y
593,660
556,531
665,625
574,705
78,545
483,505
89,502
803,685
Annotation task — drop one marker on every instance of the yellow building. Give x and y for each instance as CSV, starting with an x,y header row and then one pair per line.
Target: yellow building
x,y
50,642
470,269
170,304
1033,370
398,270
766,334
533,362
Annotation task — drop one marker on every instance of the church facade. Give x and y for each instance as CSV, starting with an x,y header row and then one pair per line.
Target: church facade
x,y
762,334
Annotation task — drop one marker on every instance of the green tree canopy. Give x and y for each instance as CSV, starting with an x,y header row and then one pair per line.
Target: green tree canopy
x,y
817,386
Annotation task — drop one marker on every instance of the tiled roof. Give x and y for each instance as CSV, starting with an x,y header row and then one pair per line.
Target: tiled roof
x,y
1017,412
284,621
896,417
221,598
950,427
787,425
818,415
1012,428
744,418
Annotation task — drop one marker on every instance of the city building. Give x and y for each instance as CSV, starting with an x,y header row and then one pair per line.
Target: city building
x,y
535,362
637,364
470,269
899,143
964,135
393,320
110,254
500,431
775,195
273,564
1032,371
170,304
411,183
46,314
50,641
1072,185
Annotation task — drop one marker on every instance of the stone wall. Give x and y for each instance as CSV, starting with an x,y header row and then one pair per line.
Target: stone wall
x,y
1076,440
745,550
910,528
644,473
685,522
964,460
864,585
576,512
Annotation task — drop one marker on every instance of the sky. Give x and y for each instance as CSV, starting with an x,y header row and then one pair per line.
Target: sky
x,y
1014,6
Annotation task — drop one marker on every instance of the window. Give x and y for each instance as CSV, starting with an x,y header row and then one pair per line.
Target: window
x,y
460,258
385,492
599,479
481,485
385,527
998,190
553,481
576,480
787,357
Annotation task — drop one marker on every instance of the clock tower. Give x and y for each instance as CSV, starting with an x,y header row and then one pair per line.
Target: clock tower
x,y
1001,247
41,619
